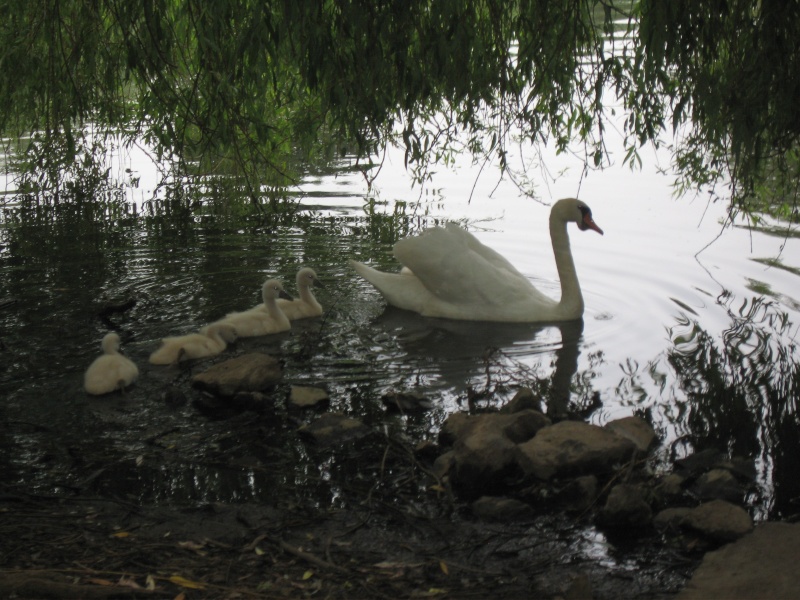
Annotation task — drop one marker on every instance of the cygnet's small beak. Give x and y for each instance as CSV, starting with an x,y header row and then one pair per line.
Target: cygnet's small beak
x,y
590,224
283,294
318,283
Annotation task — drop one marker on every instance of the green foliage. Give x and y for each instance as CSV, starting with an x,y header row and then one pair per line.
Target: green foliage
x,y
255,88
727,76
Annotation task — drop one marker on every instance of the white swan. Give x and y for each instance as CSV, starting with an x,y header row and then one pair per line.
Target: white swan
x,y
255,322
306,305
211,340
448,273
111,371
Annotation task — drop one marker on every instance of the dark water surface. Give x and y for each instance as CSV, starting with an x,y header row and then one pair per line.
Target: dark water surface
x,y
703,349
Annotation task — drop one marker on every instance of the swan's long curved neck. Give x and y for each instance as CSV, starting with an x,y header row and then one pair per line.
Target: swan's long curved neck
x,y
571,303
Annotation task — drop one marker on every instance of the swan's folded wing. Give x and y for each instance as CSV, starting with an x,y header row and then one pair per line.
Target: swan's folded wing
x,y
458,269
491,256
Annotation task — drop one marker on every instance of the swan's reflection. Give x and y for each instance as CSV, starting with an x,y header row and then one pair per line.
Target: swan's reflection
x,y
456,352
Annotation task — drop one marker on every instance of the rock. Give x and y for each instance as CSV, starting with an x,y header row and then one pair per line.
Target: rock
x,y
744,469
760,565
579,494
522,425
571,447
173,396
426,450
670,518
406,402
719,520
718,484
580,588
333,428
636,430
626,507
670,486
482,460
698,463
308,397
517,427
444,464
486,445
453,427
501,509
255,401
522,400
253,372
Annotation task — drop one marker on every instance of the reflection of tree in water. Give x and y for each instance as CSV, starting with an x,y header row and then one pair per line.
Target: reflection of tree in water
x,y
742,396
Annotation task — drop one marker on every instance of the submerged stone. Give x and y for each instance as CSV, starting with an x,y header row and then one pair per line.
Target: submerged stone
x,y
405,402
302,396
333,428
501,509
252,372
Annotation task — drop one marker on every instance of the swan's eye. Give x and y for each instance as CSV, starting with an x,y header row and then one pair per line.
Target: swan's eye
x,y
585,212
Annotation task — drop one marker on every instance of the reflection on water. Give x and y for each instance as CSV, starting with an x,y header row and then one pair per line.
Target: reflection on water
x,y
726,377
741,394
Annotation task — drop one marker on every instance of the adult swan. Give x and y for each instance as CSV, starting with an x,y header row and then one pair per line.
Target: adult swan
x,y
448,273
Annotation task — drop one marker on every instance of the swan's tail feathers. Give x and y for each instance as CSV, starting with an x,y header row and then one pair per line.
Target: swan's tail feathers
x,y
366,272
402,290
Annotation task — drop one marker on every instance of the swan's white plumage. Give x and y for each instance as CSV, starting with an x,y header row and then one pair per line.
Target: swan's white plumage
x,y
210,341
111,371
258,321
447,272
306,305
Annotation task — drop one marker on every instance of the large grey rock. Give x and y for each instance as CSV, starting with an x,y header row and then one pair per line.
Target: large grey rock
x,y
482,459
517,427
485,446
573,447
252,372
760,565
719,520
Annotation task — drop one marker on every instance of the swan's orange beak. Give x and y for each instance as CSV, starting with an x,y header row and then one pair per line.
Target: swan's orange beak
x,y
589,223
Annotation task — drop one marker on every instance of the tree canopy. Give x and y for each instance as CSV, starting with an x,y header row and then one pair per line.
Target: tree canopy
x,y
249,86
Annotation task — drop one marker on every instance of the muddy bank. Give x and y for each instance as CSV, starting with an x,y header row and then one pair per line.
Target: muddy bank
x,y
100,548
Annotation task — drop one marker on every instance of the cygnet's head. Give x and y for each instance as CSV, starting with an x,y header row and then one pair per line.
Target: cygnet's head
x,y
306,277
110,343
273,289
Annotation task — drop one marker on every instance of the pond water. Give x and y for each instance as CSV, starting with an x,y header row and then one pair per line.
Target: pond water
x,y
687,324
